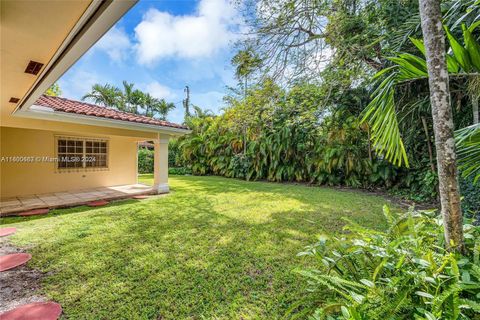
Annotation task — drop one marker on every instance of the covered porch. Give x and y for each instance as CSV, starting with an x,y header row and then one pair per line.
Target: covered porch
x,y
15,205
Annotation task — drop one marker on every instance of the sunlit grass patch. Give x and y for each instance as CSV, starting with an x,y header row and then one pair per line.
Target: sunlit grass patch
x,y
214,248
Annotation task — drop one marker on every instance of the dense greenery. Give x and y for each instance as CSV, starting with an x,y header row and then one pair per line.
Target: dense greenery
x,y
402,273
281,135
307,126
214,248
464,68
471,196
291,135
145,160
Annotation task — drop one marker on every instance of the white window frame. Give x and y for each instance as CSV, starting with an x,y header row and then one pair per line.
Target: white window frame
x,y
84,153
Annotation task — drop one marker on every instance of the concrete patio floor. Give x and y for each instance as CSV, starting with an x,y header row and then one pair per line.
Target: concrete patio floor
x,y
11,206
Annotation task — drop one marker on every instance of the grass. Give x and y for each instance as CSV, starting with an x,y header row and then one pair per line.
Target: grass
x,y
214,248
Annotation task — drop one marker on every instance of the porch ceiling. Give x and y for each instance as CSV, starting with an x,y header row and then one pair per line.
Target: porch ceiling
x,y
32,30
53,33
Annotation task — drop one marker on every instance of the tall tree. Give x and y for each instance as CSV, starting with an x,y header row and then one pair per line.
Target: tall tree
x,y
105,95
162,108
434,40
149,104
132,99
246,61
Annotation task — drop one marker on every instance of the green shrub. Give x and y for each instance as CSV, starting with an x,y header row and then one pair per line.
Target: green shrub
x,y
173,153
180,171
145,160
402,273
470,197
419,185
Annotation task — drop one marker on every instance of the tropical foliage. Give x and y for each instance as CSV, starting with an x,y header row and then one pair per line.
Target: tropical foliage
x,y
463,62
285,135
288,123
402,273
145,160
129,100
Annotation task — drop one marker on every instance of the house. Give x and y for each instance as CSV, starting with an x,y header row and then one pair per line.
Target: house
x,y
52,145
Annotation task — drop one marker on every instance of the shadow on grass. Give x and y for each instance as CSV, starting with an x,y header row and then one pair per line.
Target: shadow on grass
x,y
215,248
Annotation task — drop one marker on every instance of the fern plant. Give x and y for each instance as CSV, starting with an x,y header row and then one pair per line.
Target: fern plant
x,y
402,273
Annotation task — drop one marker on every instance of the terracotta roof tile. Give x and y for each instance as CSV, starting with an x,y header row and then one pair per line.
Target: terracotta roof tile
x,y
79,107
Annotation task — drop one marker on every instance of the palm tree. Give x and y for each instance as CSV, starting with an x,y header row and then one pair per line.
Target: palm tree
x,y
149,104
105,95
162,108
202,113
132,98
381,113
442,114
156,107
246,62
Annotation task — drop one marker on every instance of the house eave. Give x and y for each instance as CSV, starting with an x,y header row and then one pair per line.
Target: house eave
x,y
99,17
42,113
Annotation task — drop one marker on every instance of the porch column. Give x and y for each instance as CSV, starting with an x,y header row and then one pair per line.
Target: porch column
x,y
160,165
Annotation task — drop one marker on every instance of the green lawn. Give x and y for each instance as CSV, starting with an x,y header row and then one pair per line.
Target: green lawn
x,y
214,248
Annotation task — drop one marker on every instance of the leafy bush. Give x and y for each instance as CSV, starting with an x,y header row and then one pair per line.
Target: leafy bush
x,y
470,197
173,154
403,273
239,166
145,160
419,185
278,135
179,171
146,156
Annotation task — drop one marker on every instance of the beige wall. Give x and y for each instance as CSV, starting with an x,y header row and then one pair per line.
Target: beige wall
x,y
42,177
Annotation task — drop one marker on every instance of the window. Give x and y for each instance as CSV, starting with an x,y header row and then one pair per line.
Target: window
x,y
78,153
96,154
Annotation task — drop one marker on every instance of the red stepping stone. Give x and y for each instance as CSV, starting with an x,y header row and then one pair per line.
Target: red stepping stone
x,y
97,203
34,311
140,197
7,231
14,260
34,212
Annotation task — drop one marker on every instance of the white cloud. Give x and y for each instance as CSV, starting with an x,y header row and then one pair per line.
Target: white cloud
x,y
115,43
76,83
209,30
159,91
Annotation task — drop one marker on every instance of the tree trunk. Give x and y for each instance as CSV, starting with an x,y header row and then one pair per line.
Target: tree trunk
x,y
434,39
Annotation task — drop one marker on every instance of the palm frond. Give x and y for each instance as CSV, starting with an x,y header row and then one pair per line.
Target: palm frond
x,y
468,151
381,113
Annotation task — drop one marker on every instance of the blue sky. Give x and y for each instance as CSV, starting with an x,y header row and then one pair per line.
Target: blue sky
x,y
161,46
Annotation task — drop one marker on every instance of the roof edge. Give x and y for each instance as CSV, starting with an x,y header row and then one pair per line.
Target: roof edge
x,y
38,113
